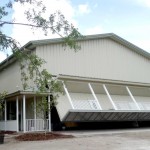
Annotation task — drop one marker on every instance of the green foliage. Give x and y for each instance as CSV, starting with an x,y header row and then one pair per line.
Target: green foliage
x,y
31,71
2,97
55,23
7,42
30,64
33,76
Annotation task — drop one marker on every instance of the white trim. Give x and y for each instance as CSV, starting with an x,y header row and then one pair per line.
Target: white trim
x,y
70,78
68,95
24,113
132,97
49,114
35,113
104,86
94,96
17,113
5,113
21,111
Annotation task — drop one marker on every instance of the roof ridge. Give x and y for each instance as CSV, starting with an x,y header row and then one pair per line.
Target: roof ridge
x,y
34,43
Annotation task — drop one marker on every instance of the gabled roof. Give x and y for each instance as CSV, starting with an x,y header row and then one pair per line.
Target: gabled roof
x,y
112,36
35,43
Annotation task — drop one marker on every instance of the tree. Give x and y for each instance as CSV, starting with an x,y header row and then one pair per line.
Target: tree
x,y
43,107
2,97
30,64
2,102
56,23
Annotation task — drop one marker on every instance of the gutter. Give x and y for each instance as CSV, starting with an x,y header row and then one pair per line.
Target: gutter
x,y
103,81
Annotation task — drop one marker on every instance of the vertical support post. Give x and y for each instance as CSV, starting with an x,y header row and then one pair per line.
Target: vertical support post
x,y
24,113
132,97
5,114
94,96
104,86
49,114
21,109
35,113
68,95
17,114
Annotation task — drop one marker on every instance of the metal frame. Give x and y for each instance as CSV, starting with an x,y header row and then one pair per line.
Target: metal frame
x,y
49,114
5,113
68,95
17,112
93,93
132,97
101,115
24,113
35,113
104,86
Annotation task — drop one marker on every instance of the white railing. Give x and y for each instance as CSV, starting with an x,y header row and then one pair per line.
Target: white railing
x,y
125,105
36,125
85,104
121,105
9,125
144,105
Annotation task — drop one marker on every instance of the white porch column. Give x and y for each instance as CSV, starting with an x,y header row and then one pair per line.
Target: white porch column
x,y
132,97
49,114
5,114
68,95
24,113
35,113
93,93
104,86
17,114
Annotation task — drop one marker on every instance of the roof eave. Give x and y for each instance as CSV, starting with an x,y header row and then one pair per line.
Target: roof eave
x,y
34,44
99,80
130,45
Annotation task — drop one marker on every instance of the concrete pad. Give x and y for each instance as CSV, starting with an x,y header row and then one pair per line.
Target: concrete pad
x,y
132,139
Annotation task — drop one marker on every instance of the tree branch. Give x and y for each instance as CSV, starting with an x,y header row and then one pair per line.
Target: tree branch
x,y
17,23
29,25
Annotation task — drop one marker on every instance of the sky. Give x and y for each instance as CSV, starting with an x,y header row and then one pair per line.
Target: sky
x,y
129,19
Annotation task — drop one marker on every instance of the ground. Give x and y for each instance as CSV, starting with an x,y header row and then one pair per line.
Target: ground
x,y
130,139
41,136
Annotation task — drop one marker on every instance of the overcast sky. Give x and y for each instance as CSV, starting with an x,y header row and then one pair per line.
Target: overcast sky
x,y
129,19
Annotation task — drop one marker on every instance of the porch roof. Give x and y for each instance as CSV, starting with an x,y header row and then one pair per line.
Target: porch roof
x,y
28,93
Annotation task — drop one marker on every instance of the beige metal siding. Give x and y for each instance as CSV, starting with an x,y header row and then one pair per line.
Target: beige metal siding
x,y
104,102
10,79
99,58
63,106
81,96
143,102
29,108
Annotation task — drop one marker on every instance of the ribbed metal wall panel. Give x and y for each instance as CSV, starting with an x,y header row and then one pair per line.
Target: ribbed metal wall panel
x,y
10,79
104,102
63,106
101,58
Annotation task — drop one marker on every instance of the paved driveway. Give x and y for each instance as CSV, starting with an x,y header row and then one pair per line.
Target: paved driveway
x,y
132,139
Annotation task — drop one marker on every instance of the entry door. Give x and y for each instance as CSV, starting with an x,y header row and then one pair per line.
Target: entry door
x,y
20,116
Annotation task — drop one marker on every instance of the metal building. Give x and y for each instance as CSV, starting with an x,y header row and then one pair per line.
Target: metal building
x,y
107,80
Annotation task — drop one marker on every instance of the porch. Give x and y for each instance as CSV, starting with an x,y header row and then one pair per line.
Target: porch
x,y
104,101
83,102
20,114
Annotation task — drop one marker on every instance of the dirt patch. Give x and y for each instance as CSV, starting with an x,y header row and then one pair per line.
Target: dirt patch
x,y
8,132
41,136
